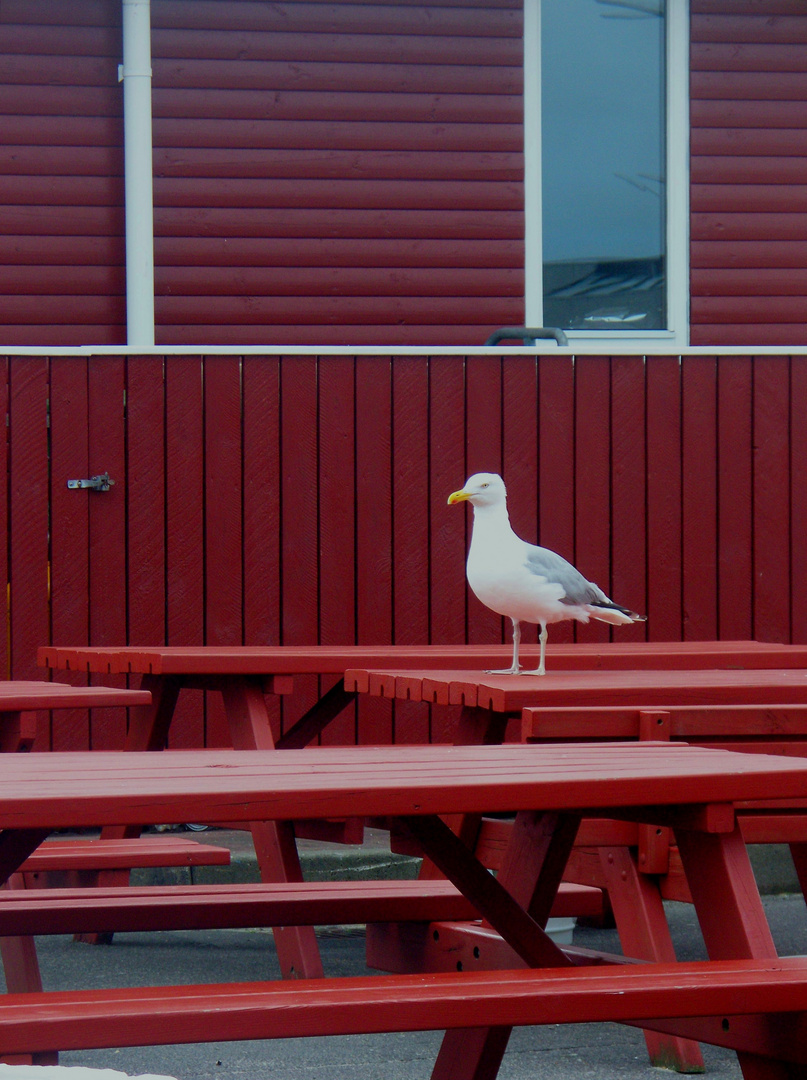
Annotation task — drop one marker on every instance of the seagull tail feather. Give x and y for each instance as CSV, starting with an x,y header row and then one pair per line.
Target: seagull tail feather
x,y
613,613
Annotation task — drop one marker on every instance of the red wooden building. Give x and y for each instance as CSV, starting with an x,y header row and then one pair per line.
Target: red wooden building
x,y
348,198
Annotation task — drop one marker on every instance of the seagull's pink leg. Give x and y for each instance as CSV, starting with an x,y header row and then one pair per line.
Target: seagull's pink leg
x,y
541,669
516,667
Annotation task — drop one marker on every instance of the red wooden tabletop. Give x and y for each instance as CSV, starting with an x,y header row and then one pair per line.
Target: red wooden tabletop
x,y
41,791
334,659
19,696
645,687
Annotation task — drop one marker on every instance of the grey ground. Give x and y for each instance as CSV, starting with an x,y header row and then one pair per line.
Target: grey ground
x,y
582,1052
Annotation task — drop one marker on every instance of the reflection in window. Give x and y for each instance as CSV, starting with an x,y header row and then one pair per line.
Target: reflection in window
x,y
603,139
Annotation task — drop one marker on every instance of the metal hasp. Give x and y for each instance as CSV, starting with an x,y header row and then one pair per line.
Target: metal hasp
x,y
101,482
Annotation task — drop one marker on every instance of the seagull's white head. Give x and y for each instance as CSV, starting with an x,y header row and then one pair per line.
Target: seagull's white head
x,y
481,489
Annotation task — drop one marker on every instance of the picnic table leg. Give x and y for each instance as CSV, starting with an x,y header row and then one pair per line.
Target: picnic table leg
x,y
731,916
275,843
476,727
531,873
645,934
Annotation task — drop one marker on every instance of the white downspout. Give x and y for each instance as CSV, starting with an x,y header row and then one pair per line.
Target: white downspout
x,y
135,73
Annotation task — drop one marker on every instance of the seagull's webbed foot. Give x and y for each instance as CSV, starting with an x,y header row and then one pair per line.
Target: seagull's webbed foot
x,y
505,671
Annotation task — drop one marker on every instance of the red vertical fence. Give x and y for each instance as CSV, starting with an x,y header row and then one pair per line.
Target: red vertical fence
x,y
302,499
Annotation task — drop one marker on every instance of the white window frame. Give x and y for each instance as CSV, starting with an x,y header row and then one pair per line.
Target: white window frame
x,y
677,187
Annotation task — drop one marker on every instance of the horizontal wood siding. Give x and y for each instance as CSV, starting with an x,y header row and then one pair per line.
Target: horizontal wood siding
x,y
749,172
61,174
302,500
337,173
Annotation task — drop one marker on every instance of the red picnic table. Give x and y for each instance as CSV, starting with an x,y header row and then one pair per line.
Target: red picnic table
x,y
245,674
734,999
565,706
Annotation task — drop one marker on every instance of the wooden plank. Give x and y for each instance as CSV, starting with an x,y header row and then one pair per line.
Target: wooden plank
x,y
699,497
185,530
374,552
5,521
261,513
310,134
307,75
328,251
664,538
106,389
300,538
338,437
735,457
748,254
152,1015
145,413
28,512
798,487
771,499
338,105
323,18
592,553
629,488
70,563
410,526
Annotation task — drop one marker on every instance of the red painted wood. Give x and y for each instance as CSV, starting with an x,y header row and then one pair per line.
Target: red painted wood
x,y
699,497
798,487
106,382
145,413
5,530
55,855
628,488
184,570
374,509
410,525
771,500
664,538
84,1019
28,514
300,540
69,561
593,435
338,444
735,494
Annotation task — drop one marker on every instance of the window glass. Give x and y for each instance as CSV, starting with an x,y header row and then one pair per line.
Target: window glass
x,y
603,149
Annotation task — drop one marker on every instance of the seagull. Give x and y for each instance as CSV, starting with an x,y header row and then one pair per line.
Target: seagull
x,y
522,581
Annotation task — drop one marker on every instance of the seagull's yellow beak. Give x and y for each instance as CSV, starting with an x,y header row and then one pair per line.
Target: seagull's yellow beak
x,y
458,496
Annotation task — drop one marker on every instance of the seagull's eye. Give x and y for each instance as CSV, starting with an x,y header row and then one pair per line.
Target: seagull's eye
x,y
484,485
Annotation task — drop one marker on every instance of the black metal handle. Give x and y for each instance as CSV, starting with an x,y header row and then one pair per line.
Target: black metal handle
x,y
528,334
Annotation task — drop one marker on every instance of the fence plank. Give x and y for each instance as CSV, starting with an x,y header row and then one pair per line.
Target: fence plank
x,y
735,495
70,555
337,514
664,540
262,511
145,478
798,489
592,481
628,487
184,482
771,498
107,518
699,497
374,574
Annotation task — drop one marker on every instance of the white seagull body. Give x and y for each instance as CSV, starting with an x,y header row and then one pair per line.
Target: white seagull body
x,y
522,581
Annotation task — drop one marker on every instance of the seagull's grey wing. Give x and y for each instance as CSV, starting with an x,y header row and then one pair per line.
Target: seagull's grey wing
x,y
576,590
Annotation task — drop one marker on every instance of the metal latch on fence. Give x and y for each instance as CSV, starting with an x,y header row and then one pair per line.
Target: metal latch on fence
x,y
101,482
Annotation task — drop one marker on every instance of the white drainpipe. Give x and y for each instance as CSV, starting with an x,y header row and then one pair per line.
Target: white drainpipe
x,y
135,73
